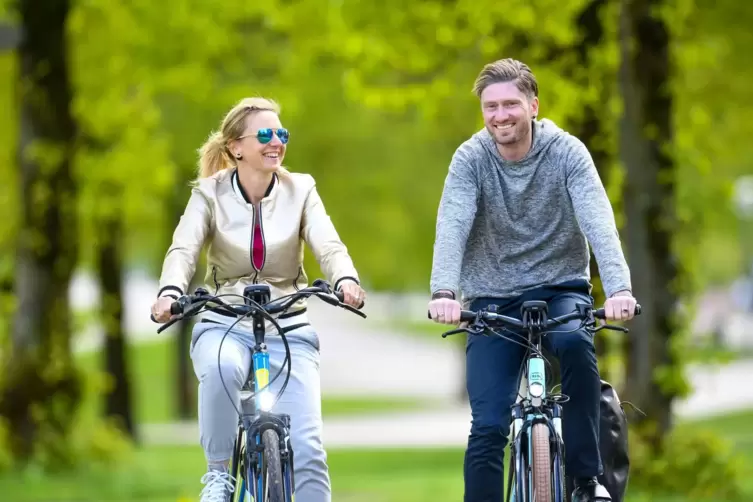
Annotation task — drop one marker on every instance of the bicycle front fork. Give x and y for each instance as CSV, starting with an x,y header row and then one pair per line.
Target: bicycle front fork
x,y
523,418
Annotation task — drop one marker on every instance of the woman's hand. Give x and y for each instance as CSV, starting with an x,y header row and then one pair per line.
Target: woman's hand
x,y
161,309
353,294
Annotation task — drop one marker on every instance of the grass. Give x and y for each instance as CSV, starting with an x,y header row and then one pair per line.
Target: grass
x,y
152,376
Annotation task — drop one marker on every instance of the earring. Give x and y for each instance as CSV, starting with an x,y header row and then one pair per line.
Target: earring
x,y
238,156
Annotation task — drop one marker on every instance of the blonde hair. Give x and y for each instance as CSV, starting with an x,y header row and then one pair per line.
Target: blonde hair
x,y
507,70
214,154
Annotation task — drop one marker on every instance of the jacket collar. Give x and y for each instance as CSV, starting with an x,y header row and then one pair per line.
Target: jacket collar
x,y
240,192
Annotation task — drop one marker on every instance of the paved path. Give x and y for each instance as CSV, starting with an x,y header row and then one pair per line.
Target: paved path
x,y
360,357
450,426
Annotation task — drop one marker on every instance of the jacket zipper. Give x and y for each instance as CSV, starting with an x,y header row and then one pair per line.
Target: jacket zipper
x,y
257,218
214,277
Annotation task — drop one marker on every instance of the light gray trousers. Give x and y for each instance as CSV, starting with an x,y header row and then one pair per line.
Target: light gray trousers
x,y
218,419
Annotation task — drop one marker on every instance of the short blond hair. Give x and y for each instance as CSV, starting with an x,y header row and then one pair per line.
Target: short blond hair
x,y
507,70
214,154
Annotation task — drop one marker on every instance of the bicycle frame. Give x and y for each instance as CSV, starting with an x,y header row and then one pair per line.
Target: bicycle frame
x,y
252,425
257,419
534,408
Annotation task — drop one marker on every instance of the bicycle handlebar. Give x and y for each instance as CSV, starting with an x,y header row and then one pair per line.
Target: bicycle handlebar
x,y
188,305
491,317
483,318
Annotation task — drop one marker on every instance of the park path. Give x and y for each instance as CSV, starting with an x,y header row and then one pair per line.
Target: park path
x,y
361,357
714,393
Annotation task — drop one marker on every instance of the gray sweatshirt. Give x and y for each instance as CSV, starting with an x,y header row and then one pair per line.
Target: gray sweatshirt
x,y
504,227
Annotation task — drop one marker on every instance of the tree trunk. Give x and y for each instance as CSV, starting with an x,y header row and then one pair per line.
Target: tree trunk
x,y
649,198
185,380
118,402
42,391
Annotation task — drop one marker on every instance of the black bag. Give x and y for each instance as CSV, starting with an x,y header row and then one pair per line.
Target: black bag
x,y
613,445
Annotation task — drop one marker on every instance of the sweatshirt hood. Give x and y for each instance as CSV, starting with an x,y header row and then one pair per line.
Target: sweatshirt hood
x,y
545,133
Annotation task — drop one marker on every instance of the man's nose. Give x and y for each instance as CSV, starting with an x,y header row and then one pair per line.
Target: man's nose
x,y
500,115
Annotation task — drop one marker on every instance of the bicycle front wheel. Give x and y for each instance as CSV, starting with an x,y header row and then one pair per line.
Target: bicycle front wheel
x,y
272,468
541,463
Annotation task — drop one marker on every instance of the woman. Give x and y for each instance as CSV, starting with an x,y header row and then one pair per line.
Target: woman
x,y
255,216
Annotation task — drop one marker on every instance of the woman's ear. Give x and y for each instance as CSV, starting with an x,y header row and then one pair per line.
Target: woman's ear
x,y
232,149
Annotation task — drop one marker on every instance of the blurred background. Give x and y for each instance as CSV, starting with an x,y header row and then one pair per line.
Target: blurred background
x,y
104,103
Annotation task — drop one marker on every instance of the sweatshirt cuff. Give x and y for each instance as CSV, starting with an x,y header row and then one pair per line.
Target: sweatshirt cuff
x,y
444,293
171,291
345,278
613,291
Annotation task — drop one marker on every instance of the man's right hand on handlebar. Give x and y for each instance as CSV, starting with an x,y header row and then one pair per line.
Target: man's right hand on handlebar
x,y
444,309
161,309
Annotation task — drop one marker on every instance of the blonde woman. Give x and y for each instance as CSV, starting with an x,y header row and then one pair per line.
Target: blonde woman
x,y
255,217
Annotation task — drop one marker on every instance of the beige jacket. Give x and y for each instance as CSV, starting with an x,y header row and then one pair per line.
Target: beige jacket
x,y
254,245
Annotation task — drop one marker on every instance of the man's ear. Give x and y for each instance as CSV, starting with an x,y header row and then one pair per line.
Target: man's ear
x,y
535,107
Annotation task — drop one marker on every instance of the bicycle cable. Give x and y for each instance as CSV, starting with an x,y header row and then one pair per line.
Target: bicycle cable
x,y
288,355
531,348
287,361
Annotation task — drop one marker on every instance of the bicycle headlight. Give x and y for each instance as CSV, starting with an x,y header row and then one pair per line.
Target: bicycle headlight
x,y
266,400
536,389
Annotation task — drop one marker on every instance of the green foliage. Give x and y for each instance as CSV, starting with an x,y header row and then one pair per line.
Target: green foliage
x,y
377,97
6,457
694,463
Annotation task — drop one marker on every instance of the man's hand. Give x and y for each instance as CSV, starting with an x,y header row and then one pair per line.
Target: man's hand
x,y
620,306
445,310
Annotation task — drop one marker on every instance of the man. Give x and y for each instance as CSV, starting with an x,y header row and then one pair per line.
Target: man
x,y
521,202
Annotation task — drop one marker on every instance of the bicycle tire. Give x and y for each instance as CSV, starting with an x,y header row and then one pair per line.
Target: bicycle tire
x,y
541,464
273,467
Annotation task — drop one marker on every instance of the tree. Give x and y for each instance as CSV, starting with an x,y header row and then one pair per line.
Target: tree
x,y
110,267
649,200
41,390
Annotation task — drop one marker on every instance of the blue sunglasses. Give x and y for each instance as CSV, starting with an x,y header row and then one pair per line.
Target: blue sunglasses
x,y
265,135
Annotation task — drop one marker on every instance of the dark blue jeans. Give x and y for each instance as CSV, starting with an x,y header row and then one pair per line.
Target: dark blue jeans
x,y
493,379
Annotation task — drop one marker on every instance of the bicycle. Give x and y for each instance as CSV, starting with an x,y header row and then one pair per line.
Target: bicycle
x,y
262,463
537,449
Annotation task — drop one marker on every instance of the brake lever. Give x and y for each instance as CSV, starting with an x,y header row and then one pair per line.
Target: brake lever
x,y
455,331
473,330
612,327
352,309
169,323
190,311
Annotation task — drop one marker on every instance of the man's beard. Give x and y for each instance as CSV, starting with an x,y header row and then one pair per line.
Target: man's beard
x,y
514,134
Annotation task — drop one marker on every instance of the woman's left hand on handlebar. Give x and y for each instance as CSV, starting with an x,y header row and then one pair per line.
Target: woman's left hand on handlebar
x,y
620,306
353,294
161,309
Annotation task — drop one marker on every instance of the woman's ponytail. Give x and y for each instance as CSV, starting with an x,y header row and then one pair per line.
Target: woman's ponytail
x,y
213,156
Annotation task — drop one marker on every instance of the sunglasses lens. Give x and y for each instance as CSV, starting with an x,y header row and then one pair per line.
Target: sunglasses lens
x,y
264,136
283,135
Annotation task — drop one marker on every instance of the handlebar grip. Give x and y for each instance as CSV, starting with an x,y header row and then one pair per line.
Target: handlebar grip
x,y
341,296
601,314
176,308
465,315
